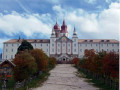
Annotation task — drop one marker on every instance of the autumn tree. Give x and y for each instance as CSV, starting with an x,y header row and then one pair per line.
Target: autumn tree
x,y
52,62
25,66
75,61
111,64
40,58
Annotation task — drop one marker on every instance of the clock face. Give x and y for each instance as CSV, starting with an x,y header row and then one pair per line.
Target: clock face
x,y
64,39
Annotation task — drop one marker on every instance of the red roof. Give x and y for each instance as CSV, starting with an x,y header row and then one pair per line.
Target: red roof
x,y
56,26
64,28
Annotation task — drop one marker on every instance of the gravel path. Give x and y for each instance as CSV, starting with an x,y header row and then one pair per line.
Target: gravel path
x,y
63,77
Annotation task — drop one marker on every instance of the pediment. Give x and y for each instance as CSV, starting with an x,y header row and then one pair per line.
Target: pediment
x,y
64,39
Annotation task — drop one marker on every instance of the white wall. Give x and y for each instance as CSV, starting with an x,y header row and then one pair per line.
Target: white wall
x,y
9,50
97,47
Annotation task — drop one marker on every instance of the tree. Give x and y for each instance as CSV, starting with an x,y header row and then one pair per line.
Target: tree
x,y
75,61
111,64
25,46
40,58
25,66
52,62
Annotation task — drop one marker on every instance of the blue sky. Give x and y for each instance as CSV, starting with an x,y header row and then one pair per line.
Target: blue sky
x,y
93,19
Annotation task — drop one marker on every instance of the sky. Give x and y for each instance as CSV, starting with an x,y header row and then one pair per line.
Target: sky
x,y
34,19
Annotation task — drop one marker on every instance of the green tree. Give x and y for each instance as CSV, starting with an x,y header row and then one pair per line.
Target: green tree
x,y
25,46
25,66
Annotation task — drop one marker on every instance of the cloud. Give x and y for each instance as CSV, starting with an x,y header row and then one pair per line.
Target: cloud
x,y
91,1
28,24
104,24
53,1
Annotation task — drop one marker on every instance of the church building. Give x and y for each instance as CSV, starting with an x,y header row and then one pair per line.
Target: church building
x,y
61,46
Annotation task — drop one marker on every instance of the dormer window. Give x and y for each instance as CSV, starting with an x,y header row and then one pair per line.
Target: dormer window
x,y
107,40
91,40
102,40
35,41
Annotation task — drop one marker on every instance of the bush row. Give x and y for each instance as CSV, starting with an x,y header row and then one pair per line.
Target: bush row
x,y
30,63
102,63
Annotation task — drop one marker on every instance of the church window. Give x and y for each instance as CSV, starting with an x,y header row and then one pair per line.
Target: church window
x,y
12,50
101,44
96,50
68,44
75,45
12,44
107,45
52,50
18,44
68,50
80,50
75,40
107,50
113,50
102,50
91,45
53,40
74,50
52,44
112,44
96,44
11,56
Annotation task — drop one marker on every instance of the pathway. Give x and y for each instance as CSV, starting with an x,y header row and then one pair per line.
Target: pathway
x,y
63,77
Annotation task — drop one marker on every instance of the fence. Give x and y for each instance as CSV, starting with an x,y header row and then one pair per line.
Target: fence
x,y
106,80
24,82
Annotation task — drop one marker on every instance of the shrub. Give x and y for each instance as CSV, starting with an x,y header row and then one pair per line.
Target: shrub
x,y
40,58
52,62
75,61
25,66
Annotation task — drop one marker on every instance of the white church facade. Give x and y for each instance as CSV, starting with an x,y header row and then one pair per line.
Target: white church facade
x,y
60,46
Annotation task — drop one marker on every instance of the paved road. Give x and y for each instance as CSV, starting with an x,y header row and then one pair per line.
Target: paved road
x,y
63,77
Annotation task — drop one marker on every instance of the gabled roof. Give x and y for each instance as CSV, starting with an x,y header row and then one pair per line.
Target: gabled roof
x,y
29,40
98,41
7,61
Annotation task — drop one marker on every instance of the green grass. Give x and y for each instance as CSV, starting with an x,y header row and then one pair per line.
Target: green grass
x,y
95,82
